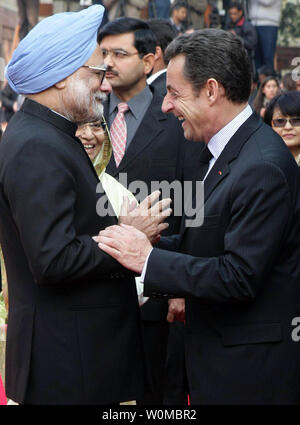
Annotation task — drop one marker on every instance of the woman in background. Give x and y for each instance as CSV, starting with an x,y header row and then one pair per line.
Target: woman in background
x,y
288,83
283,114
96,141
268,89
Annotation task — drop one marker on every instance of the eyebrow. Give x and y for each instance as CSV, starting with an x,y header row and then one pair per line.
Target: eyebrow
x,y
121,49
170,88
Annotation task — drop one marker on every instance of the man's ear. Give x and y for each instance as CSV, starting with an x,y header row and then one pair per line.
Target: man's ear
x,y
148,60
158,53
213,90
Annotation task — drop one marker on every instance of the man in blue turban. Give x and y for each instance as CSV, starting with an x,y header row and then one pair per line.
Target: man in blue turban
x,y
73,327
58,53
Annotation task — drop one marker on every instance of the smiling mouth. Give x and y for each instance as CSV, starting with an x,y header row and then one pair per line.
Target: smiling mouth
x,y
89,147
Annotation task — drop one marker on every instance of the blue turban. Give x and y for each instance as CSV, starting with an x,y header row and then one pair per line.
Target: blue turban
x,y
54,49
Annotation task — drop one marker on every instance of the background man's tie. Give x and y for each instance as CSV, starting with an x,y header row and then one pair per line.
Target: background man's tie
x,y
118,133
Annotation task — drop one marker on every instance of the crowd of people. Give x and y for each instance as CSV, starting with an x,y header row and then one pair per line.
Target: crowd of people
x,y
256,22
103,276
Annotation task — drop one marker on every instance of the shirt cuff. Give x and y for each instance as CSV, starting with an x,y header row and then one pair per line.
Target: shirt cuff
x,y
145,268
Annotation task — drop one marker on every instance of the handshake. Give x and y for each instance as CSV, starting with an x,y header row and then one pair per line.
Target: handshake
x,y
131,241
139,228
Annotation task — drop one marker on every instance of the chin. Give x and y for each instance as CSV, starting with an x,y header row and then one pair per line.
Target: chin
x,y
290,143
190,137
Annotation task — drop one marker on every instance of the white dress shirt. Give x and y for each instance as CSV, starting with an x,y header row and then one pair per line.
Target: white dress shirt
x,y
218,142
156,75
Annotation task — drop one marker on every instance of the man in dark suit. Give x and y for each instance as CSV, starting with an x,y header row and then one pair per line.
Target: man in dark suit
x,y
238,271
164,33
155,151
74,324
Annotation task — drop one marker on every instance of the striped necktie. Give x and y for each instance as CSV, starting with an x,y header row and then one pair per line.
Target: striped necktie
x,y
118,133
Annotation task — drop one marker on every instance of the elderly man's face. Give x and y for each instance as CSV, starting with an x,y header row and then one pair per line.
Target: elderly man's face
x,y
84,94
190,108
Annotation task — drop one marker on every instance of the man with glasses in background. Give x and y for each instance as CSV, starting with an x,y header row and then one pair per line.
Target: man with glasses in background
x,y
239,271
73,311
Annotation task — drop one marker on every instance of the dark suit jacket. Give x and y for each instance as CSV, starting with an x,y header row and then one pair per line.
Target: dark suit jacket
x,y
160,84
73,312
239,272
157,152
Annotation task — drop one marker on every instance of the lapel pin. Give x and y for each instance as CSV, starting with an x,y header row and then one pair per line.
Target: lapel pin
x,y
220,172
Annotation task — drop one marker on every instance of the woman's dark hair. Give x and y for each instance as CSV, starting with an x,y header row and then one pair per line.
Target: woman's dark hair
x,y
214,53
288,103
144,39
288,82
259,98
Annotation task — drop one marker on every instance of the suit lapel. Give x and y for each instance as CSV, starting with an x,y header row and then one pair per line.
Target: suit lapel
x,y
231,151
111,166
221,167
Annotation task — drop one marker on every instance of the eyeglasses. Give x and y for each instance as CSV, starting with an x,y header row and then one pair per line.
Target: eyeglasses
x,y
117,54
281,122
99,70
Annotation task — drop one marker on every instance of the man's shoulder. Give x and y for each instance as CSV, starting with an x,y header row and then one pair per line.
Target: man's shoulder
x,y
24,127
160,84
266,148
248,24
30,136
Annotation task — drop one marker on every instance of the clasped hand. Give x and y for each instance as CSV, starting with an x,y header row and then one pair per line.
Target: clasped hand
x,y
148,216
139,228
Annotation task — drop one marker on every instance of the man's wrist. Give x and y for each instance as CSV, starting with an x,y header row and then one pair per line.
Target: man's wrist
x,y
145,267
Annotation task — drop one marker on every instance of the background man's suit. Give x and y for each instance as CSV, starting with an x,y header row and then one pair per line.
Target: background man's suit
x,y
74,325
240,276
160,83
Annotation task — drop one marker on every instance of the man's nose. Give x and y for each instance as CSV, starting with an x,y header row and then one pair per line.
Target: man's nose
x,y
105,86
108,60
87,133
166,105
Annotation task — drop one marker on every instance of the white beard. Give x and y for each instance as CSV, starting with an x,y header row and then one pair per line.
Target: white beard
x,y
83,109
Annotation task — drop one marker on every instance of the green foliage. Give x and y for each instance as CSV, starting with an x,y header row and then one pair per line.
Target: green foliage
x,y
289,28
3,312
